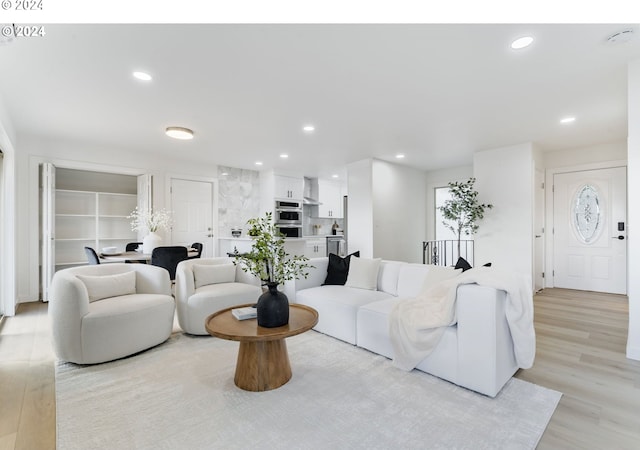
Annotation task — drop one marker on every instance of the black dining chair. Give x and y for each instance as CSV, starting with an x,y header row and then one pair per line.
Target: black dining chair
x,y
132,247
168,258
92,256
198,247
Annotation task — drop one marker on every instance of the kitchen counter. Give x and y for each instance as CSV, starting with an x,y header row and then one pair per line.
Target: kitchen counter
x,y
293,246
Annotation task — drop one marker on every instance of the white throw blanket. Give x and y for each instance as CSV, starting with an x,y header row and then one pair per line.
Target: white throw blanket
x,y
417,324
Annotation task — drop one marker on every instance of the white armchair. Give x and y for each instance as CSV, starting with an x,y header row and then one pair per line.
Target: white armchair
x,y
104,312
207,285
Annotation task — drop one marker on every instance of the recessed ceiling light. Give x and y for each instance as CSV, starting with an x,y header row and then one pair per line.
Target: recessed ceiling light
x,y
179,133
335,175
224,174
284,156
258,163
309,128
521,42
143,76
568,120
400,155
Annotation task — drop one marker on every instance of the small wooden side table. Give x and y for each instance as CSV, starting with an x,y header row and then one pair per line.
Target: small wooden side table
x,y
263,360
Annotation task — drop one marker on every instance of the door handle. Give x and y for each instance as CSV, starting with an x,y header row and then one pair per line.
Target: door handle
x,y
621,238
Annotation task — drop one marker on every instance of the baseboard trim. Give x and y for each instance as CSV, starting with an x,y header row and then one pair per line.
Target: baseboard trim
x,y
633,353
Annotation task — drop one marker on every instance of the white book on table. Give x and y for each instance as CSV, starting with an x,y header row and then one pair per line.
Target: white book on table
x,y
247,312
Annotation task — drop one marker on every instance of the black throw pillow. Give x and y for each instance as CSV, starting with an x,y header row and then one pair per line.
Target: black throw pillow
x,y
463,264
338,269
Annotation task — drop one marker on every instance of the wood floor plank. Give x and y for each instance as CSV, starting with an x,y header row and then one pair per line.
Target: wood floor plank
x,y
581,344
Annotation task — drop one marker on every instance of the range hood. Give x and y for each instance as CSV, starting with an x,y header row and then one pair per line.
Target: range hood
x,y
310,201
310,194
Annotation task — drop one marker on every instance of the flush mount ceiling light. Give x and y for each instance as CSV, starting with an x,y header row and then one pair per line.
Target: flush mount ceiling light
x,y
400,155
258,163
179,133
335,175
568,120
309,128
142,76
522,42
284,156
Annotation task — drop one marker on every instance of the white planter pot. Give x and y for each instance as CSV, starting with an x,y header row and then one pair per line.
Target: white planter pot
x,y
151,241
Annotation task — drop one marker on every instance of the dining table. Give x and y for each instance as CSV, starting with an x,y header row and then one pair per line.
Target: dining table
x,y
136,256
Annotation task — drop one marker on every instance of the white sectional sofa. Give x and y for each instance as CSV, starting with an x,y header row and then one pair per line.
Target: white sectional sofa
x,y
476,353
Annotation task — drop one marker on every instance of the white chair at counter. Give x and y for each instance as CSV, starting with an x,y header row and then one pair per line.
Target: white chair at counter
x,y
207,285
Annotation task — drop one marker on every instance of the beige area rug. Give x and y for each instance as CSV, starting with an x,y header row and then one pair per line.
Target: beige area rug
x,y
181,395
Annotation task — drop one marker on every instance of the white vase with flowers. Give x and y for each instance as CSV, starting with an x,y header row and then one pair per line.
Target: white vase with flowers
x,y
150,221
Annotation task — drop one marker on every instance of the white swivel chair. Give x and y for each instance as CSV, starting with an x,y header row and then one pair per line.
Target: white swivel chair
x,y
104,312
207,285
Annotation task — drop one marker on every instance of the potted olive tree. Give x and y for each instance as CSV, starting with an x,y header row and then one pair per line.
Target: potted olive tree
x,y
268,261
462,211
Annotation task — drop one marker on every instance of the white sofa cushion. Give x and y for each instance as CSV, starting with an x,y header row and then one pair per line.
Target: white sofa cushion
x,y
414,278
388,276
105,286
213,274
363,273
337,308
373,334
436,274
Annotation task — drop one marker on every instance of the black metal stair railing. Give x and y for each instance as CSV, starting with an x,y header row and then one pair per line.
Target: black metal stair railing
x,y
445,252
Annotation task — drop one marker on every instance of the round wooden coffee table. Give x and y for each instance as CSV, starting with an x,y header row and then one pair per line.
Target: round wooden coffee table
x,y
263,360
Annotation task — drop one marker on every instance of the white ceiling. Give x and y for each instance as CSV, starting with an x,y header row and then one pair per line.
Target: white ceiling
x,y
436,93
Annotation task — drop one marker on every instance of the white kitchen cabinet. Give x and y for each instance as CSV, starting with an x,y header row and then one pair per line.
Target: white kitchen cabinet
x,y
90,219
330,196
288,187
315,248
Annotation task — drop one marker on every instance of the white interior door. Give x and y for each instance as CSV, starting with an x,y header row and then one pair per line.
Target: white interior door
x,y
192,205
590,247
538,243
48,227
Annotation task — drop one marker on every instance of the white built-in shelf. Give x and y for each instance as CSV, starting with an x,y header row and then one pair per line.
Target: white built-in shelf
x,y
91,219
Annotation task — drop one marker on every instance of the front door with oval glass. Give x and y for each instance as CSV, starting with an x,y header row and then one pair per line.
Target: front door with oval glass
x,y
590,246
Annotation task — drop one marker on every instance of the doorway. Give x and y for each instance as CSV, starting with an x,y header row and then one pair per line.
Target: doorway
x,y
589,240
193,214
2,213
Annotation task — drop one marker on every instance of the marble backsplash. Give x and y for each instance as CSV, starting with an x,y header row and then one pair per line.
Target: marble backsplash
x,y
239,201
238,198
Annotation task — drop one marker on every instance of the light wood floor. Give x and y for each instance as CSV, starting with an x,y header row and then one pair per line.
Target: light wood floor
x,y
581,340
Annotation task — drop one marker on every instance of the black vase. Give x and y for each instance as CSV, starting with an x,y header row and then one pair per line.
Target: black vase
x,y
272,308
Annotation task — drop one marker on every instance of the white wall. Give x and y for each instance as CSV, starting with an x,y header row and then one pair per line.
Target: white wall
x,y
633,187
436,179
360,211
7,208
399,212
79,155
614,151
505,178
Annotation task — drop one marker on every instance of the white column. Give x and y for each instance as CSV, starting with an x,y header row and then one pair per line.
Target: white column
x,y
633,210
